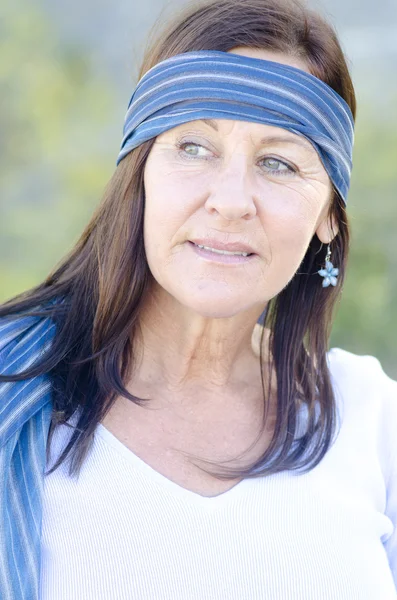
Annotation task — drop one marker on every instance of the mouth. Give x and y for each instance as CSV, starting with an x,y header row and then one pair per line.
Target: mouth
x,y
221,256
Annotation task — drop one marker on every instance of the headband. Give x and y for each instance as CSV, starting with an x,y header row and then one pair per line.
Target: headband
x,y
222,85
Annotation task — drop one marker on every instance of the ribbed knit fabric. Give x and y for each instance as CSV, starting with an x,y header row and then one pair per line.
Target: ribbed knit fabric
x,y
124,531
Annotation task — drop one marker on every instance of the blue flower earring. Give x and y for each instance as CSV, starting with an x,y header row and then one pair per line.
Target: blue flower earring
x,y
329,273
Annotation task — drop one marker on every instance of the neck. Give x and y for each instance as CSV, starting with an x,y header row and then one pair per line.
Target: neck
x,y
183,351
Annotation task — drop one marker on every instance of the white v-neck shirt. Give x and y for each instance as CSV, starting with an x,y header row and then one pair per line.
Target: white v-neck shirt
x,y
123,531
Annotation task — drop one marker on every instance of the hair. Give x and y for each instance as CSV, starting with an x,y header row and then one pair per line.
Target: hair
x,y
104,279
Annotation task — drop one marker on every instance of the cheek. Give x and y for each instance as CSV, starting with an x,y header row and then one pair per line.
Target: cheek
x,y
289,224
166,211
291,228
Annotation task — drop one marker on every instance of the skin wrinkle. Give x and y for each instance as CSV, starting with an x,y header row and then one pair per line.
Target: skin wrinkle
x,y
275,139
197,324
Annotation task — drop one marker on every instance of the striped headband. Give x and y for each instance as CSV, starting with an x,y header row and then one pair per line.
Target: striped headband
x,y
222,85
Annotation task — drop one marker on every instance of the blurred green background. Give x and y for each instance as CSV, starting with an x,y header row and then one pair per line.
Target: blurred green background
x,y
67,71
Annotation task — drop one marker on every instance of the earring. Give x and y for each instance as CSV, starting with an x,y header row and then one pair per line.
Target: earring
x,y
329,273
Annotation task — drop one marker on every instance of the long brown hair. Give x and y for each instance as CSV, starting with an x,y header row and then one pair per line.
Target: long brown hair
x,y
103,281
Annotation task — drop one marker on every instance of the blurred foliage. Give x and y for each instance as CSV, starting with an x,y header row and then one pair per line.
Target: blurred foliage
x,y
57,153
366,322
55,158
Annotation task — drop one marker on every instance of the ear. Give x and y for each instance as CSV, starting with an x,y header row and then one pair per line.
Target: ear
x,y
327,230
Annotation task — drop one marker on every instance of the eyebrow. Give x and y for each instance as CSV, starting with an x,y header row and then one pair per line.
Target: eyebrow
x,y
274,139
211,123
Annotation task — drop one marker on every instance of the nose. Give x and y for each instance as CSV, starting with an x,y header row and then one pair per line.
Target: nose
x,y
231,194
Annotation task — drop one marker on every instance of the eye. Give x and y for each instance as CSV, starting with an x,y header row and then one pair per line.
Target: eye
x,y
193,150
277,167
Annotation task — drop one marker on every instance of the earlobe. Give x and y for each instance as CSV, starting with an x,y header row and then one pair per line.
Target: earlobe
x,y
327,231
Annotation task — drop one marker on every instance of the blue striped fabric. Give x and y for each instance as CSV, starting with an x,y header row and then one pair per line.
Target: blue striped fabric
x,y
222,85
25,414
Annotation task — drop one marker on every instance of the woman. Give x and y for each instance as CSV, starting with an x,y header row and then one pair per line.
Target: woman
x,y
202,442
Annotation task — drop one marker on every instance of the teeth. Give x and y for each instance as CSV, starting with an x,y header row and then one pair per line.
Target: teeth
x,y
223,251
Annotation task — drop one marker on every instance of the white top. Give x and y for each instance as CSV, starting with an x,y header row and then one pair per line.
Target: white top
x,y
123,531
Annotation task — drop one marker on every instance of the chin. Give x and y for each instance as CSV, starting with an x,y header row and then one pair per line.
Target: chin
x,y
212,314
213,308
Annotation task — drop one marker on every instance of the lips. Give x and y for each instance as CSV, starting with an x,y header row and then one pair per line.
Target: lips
x,y
218,245
221,257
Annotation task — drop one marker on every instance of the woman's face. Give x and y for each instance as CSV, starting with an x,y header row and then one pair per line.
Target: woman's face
x,y
224,182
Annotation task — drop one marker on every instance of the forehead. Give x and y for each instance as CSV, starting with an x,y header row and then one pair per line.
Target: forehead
x,y
258,132
279,57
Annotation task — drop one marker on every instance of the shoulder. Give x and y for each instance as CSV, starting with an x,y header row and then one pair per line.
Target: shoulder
x,y
30,333
22,340
359,370
368,395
